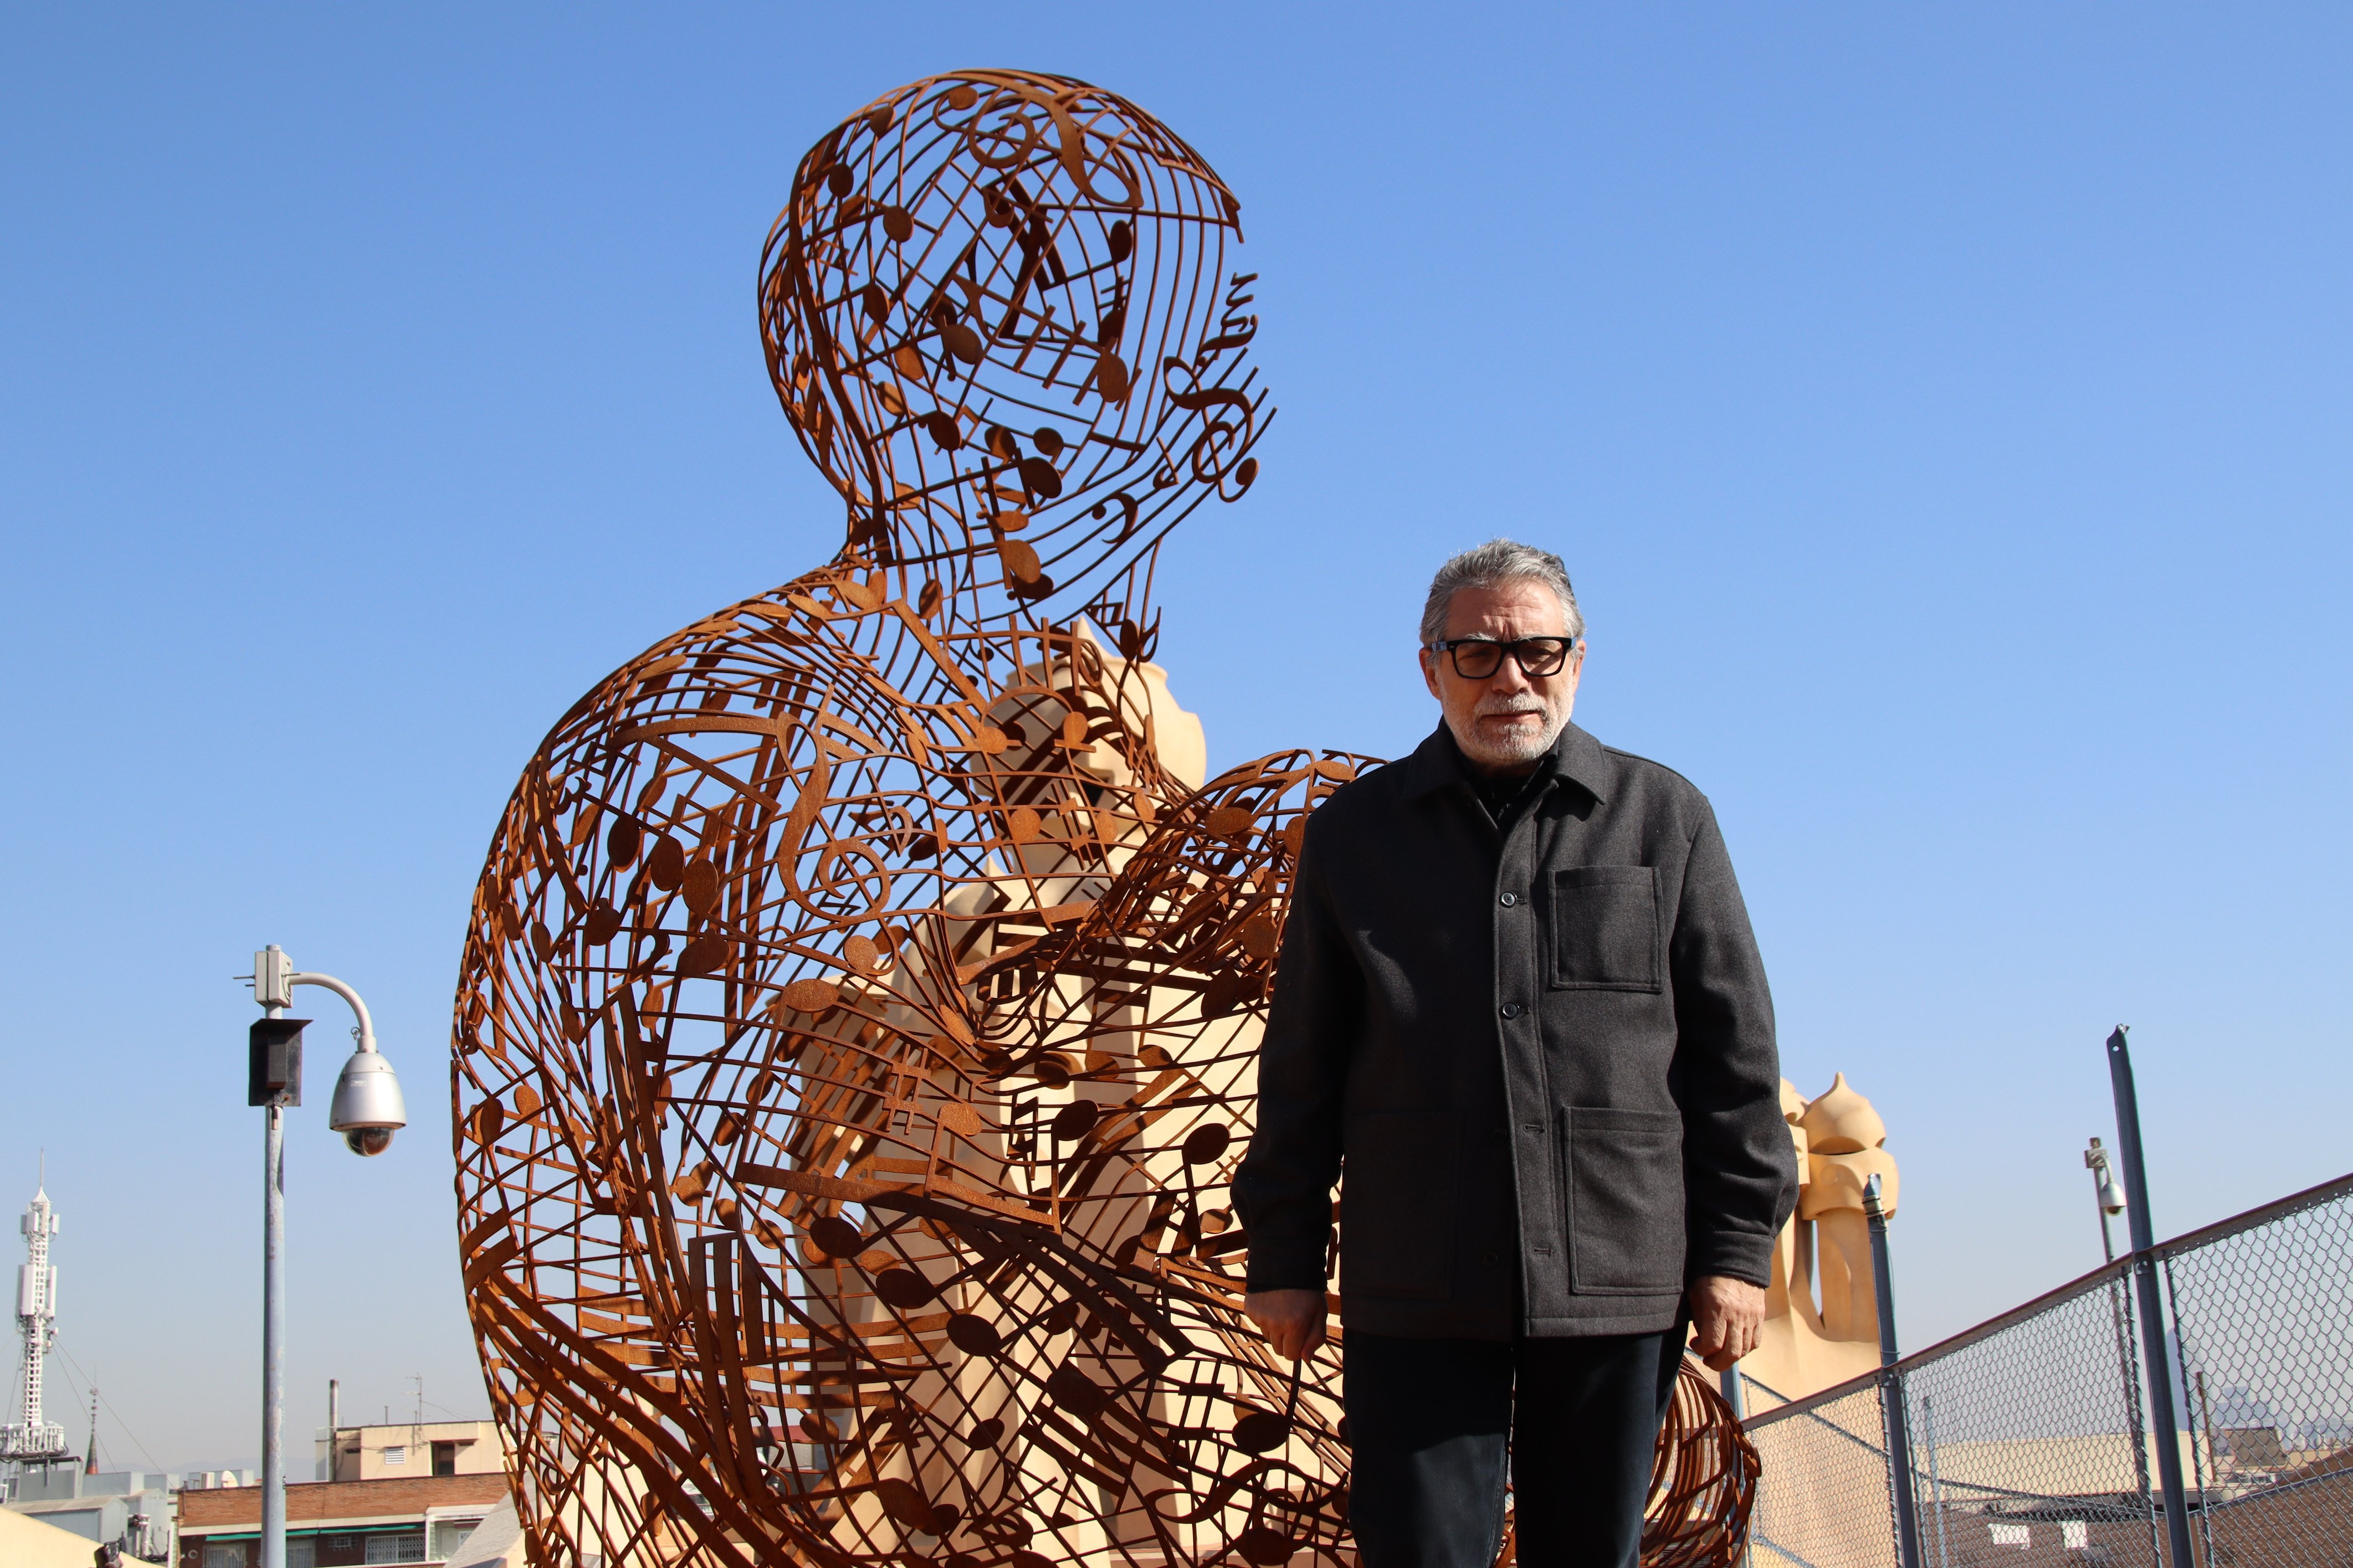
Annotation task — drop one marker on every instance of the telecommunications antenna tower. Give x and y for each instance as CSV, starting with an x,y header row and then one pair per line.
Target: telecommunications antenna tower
x,y
30,1439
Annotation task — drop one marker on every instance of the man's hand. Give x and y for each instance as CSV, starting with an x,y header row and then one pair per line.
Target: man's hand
x,y
1293,1321
1725,1317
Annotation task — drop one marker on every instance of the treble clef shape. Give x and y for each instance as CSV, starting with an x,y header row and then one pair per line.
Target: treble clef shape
x,y
1219,441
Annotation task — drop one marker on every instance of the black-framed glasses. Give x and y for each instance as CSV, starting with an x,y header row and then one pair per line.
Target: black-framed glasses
x,y
1476,659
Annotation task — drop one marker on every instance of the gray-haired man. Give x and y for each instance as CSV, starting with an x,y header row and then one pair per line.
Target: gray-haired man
x,y
1520,1006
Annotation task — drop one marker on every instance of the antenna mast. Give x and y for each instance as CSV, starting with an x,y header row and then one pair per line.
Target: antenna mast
x,y
30,1438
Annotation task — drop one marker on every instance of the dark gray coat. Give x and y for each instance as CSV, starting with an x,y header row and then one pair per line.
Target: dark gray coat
x,y
1543,1055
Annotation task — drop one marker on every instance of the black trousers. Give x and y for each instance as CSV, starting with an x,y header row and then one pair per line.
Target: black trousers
x,y
1433,1422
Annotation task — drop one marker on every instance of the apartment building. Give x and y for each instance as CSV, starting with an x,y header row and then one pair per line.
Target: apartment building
x,y
341,1524
409,1448
410,1492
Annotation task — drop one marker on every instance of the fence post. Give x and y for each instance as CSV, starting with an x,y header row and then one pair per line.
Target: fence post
x,y
2201,1456
2159,1367
1736,1397
1936,1485
2120,1313
1892,1405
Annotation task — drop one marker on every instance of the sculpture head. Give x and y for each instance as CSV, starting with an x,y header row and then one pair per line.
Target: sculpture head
x,y
1846,1145
998,313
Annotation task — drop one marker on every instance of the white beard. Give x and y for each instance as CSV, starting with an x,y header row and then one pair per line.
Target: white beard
x,y
1524,746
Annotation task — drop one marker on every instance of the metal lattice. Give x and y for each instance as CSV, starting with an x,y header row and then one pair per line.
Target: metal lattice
x,y
2263,1317
1822,1494
857,1019
2033,1441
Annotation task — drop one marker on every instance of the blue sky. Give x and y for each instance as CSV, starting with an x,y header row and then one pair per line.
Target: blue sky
x,y
1944,411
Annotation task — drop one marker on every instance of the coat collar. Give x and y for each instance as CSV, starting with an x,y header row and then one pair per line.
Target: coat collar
x,y
1577,757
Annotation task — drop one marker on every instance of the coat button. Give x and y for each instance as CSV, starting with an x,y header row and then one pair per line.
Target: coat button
x,y
1513,1009
1493,1259
1508,900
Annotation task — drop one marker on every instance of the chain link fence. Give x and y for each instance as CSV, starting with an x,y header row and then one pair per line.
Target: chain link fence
x,y
2033,1440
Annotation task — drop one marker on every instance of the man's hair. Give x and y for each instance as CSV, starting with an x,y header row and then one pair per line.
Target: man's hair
x,y
1491,565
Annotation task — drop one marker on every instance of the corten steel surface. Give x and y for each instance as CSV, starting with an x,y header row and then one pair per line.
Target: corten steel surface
x,y
855,1028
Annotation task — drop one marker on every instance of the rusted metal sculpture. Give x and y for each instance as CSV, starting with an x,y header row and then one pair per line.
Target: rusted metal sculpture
x,y
857,1021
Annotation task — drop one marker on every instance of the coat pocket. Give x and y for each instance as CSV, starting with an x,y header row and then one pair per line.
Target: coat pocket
x,y
1605,928
1396,1205
1624,1175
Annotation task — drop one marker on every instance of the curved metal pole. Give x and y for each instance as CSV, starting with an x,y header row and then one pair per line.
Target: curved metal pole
x,y
359,1008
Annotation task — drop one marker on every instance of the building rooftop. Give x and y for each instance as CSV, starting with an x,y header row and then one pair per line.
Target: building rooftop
x,y
317,1504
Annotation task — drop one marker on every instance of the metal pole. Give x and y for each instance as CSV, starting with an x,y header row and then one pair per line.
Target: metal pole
x,y
2152,1323
1736,1397
1891,1387
366,1108
2100,1212
1936,1483
2096,1160
273,1324
2119,1310
2206,1503
2202,1466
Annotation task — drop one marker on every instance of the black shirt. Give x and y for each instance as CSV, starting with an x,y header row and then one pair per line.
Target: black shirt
x,y
1506,798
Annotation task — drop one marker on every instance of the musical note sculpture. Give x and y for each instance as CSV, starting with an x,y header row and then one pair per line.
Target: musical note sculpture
x,y
857,1011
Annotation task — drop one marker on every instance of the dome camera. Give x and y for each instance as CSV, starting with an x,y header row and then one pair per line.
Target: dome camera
x,y
368,1107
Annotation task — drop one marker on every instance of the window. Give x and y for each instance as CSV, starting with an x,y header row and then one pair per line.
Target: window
x,y
449,1535
407,1547
396,1454
445,1459
301,1551
225,1554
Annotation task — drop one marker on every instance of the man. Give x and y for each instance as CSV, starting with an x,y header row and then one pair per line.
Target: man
x,y
1519,1006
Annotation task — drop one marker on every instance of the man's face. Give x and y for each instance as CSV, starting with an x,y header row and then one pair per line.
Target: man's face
x,y
1506,721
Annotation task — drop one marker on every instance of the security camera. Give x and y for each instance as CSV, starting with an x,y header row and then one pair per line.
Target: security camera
x,y
368,1106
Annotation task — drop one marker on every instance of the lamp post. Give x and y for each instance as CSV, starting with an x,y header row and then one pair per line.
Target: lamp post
x,y
366,1109
2107,1194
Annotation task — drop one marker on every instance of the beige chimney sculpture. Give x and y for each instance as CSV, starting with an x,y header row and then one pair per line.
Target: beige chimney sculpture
x,y
1822,1321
